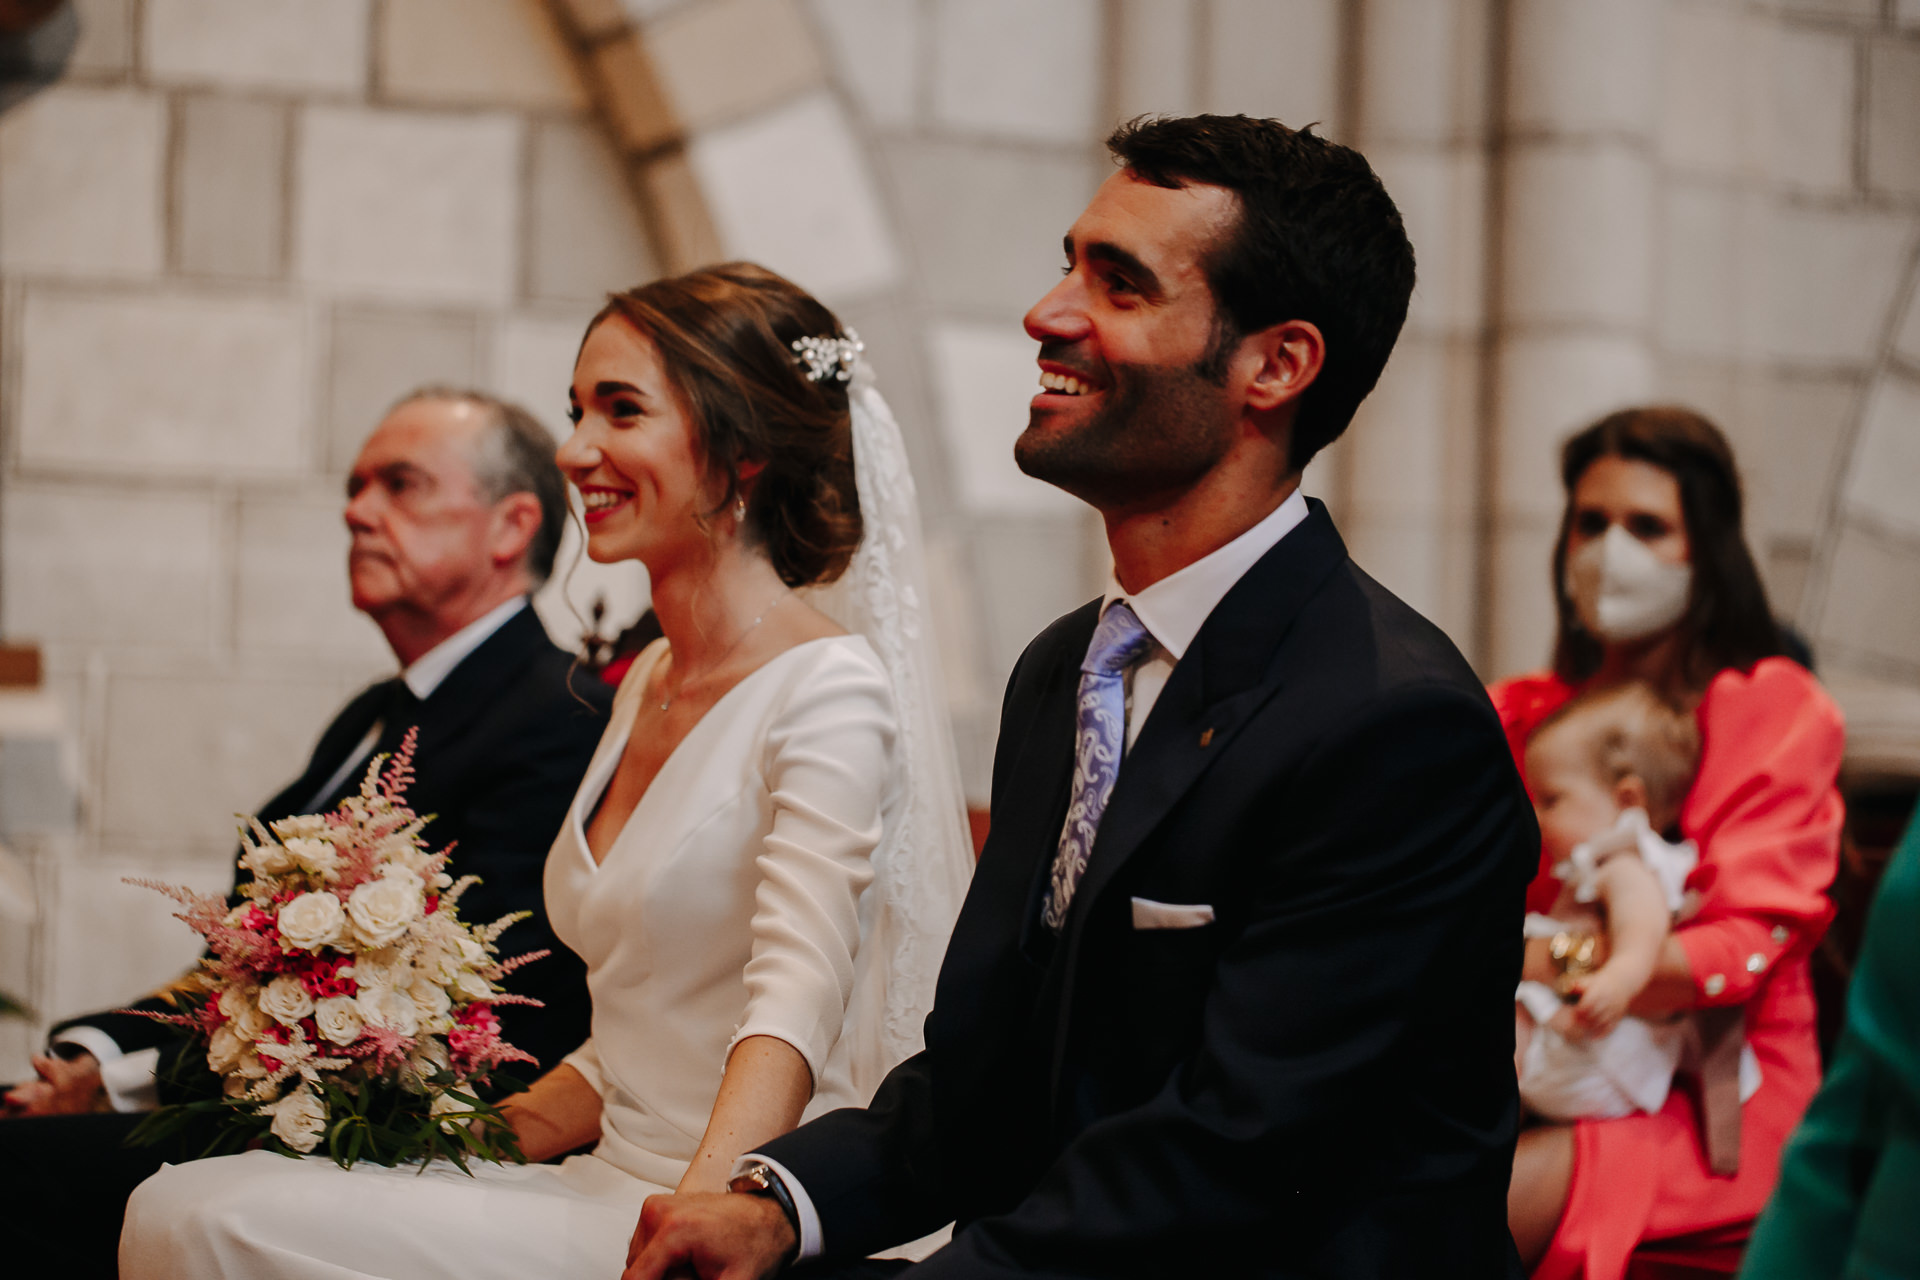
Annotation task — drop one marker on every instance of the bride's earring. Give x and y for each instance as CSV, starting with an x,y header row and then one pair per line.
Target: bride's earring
x,y
740,509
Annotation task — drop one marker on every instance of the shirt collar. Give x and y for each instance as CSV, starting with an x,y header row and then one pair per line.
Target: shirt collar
x,y
426,672
1173,609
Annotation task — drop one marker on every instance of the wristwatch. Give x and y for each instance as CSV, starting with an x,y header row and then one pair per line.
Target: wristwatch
x,y
757,1178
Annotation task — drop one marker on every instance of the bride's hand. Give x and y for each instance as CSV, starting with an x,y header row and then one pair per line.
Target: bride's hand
x,y
714,1236
558,1113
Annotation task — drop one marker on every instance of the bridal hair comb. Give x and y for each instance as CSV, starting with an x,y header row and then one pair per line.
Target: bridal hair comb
x,y
824,359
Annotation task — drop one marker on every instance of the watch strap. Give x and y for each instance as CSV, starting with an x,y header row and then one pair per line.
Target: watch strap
x,y
759,1179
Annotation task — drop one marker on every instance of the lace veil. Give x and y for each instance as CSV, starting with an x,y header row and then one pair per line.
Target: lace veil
x,y
925,858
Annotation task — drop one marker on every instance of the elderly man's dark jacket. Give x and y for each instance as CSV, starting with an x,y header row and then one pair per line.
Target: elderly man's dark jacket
x,y
1320,1081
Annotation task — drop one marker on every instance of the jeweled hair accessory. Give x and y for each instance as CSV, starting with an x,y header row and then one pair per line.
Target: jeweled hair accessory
x,y
828,358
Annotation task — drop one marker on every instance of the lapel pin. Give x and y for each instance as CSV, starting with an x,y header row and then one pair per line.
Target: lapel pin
x,y
1206,737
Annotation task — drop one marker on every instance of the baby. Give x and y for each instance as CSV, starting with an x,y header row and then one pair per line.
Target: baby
x,y
1608,771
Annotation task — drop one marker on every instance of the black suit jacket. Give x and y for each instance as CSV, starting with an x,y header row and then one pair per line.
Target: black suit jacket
x,y
1320,1082
504,741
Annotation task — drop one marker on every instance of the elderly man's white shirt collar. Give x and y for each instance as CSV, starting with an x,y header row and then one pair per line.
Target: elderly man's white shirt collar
x,y
1173,609
437,663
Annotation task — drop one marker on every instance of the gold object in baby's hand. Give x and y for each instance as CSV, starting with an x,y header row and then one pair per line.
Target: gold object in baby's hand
x,y
1573,955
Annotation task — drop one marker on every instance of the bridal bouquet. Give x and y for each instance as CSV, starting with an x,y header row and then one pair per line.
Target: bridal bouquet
x,y
342,1002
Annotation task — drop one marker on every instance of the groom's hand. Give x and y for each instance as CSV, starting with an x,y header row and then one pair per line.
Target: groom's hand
x,y
712,1235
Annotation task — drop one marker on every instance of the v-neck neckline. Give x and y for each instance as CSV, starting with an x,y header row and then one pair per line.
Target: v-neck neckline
x,y
589,801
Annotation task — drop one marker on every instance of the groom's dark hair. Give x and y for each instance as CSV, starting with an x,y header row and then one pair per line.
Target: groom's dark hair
x,y
1318,239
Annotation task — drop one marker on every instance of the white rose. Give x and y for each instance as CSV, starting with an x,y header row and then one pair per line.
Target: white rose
x,y
268,859
312,920
241,1005
338,1018
389,1007
316,856
401,853
382,909
472,986
298,1119
286,1000
438,961
431,1005
382,968
309,826
225,1048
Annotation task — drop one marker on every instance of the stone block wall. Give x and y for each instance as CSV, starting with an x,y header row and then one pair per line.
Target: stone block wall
x,y
229,238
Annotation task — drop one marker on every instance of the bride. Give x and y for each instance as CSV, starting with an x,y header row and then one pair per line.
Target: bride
x,y
765,857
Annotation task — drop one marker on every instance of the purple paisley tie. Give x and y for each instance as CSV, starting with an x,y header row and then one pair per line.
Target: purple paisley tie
x,y
1099,740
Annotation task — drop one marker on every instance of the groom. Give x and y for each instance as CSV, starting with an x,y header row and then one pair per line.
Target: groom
x,y
1233,984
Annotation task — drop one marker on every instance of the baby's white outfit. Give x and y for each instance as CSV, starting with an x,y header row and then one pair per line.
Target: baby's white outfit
x,y
1631,1067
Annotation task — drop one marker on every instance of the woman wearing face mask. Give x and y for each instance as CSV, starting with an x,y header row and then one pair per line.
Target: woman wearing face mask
x,y
1653,581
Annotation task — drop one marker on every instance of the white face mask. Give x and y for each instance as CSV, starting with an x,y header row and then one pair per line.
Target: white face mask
x,y
1623,591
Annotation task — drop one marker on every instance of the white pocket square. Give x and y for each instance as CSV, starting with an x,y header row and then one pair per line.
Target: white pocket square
x,y
1148,914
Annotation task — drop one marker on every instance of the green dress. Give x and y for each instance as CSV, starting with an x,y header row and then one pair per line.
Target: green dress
x,y
1848,1201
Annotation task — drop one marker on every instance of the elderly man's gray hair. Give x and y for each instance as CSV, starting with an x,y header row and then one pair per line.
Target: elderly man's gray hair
x,y
514,455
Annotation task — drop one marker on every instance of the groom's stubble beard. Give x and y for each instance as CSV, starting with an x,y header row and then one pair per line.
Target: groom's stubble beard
x,y
1160,430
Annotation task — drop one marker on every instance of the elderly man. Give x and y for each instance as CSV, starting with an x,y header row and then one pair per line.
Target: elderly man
x,y
455,510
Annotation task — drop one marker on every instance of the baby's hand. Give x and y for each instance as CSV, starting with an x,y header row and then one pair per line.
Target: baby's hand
x,y
1604,997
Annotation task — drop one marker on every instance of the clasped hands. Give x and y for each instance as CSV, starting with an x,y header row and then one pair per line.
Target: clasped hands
x,y
66,1087
709,1235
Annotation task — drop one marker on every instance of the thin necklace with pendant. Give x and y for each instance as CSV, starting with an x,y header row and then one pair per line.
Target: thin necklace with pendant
x,y
737,641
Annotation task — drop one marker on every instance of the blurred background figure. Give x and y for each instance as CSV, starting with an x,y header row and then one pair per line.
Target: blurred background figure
x,y
1851,1174
1653,582
36,39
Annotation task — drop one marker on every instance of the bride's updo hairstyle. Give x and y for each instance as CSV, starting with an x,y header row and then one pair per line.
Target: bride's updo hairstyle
x,y
725,334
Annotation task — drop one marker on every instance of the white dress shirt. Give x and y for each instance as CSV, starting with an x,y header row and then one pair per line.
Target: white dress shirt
x,y
1172,610
129,1078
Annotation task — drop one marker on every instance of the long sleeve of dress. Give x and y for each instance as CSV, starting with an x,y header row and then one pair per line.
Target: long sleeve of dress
x,y
825,766
1766,815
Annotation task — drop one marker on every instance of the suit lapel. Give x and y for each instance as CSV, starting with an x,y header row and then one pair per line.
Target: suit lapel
x,y
460,699
471,688
342,736
1223,678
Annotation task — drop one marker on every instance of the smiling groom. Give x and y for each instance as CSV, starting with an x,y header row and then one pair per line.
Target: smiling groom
x,y
1233,984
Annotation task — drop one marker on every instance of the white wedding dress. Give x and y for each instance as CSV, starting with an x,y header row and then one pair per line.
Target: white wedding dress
x,y
793,870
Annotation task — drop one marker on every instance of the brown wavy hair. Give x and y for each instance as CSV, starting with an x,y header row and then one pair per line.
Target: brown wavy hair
x,y
1728,622
725,335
